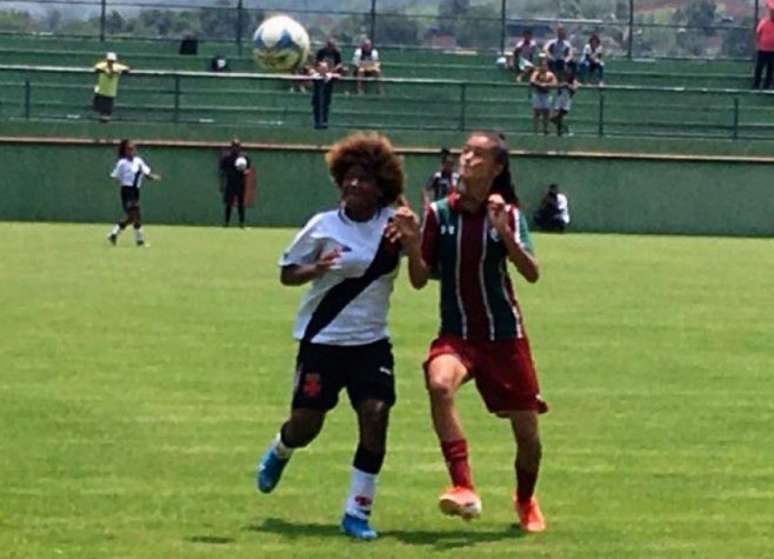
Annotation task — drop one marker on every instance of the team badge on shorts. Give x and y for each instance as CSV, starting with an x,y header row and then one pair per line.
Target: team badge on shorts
x,y
312,385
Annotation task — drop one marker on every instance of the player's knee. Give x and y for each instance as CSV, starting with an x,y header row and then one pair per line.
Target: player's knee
x,y
440,386
374,414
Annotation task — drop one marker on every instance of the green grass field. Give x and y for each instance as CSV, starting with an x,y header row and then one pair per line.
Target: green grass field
x,y
139,387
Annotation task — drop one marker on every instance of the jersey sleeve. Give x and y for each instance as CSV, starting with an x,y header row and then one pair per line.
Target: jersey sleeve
x,y
429,240
305,247
115,171
520,229
143,166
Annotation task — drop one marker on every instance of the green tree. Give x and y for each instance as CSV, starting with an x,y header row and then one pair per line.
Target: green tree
x,y
697,13
114,23
16,21
738,41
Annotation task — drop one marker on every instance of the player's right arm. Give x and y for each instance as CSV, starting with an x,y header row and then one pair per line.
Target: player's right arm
x,y
305,260
299,274
418,245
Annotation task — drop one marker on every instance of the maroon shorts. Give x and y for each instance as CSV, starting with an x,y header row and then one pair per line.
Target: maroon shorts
x,y
503,370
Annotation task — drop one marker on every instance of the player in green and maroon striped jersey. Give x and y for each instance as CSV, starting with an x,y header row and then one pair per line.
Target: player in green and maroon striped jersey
x,y
465,242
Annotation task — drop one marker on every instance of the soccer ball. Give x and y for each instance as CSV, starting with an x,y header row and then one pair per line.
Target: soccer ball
x,y
281,44
240,163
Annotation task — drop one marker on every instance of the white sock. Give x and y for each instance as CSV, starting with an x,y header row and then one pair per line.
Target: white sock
x,y
362,488
116,230
138,236
282,451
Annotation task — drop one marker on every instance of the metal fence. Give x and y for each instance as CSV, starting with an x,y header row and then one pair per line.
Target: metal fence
x,y
656,29
55,93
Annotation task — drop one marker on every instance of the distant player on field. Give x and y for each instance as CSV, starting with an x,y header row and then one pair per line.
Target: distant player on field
x,y
466,241
341,325
234,167
442,182
129,171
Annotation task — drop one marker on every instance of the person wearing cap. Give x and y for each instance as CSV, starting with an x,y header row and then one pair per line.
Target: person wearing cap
x,y
234,167
442,182
764,42
109,71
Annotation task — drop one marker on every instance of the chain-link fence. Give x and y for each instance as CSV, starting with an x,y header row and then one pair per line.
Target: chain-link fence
x,y
641,29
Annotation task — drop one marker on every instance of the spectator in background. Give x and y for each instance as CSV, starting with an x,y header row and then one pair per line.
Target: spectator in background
x,y
367,64
559,52
441,183
542,81
523,57
234,167
566,89
322,93
591,61
330,54
219,63
554,211
764,42
109,71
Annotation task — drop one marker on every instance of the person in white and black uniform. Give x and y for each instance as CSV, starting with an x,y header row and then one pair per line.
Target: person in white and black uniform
x,y
129,171
442,182
341,325
234,167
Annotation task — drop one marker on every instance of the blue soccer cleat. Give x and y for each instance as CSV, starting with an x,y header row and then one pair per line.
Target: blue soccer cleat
x,y
269,471
357,528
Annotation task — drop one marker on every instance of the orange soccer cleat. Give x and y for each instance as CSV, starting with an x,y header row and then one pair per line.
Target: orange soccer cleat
x,y
530,518
460,501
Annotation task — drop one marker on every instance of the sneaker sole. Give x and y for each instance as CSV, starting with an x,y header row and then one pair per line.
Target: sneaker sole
x,y
451,507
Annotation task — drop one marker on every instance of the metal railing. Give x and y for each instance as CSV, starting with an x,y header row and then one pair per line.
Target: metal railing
x,y
245,99
494,26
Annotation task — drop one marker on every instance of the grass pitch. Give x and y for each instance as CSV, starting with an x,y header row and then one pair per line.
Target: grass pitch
x,y
139,387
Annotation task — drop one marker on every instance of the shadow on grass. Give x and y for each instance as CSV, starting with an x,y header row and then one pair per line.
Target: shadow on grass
x,y
218,540
437,540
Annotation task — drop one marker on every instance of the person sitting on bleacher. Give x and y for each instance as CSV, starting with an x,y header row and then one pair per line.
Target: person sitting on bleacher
x,y
367,64
523,58
591,61
559,52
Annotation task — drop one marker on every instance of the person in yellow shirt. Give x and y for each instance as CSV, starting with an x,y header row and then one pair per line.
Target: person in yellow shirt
x,y
108,70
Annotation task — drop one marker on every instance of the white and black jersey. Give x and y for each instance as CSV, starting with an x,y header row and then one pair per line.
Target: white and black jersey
x,y
130,172
348,304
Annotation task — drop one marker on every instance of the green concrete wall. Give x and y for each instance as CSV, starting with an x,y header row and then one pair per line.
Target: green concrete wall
x,y
70,183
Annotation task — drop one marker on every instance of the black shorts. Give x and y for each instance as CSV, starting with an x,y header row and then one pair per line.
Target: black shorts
x,y
130,198
366,371
103,104
233,191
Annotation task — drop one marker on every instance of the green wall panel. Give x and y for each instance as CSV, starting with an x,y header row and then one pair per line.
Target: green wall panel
x,y
70,183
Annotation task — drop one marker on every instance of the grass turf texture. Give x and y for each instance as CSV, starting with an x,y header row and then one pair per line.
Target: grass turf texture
x,y
139,387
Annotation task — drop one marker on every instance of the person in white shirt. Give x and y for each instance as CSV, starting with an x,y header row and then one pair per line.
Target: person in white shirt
x,y
591,63
523,57
129,171
559,52
341,325
367,64
554,211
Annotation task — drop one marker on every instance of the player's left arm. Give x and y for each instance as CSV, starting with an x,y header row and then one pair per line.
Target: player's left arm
x,y
516,241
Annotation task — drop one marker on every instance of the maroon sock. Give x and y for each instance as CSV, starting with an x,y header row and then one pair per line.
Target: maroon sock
x,y
525,484
456,455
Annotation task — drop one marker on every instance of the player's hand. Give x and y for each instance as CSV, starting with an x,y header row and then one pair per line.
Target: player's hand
x,y
498,217
404,228
326,261
154,176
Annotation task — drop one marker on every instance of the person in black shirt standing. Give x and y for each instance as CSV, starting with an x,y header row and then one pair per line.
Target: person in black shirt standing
x,y
331,54
233,169
442,182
